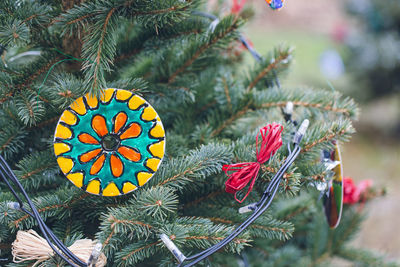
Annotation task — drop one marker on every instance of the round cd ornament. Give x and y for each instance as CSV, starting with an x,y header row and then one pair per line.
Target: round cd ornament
x,y
333,198
110,145
275,4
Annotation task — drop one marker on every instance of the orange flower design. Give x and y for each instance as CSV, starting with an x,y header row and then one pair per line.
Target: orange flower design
x,y
109,143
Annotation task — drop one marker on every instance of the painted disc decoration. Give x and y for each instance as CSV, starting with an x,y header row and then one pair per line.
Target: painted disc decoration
x,y
275,4
109,146
333,199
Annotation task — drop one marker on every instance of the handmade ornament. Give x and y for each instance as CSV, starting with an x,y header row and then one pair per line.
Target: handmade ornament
x,y
333,198
240,174
275,4
109,146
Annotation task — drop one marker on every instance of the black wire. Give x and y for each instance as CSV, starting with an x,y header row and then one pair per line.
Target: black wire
x,y
273,187
262,200
215,248
268,195
39,224
8,173
43,227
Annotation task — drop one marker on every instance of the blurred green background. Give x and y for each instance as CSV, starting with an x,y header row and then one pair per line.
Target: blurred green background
x,y
314,27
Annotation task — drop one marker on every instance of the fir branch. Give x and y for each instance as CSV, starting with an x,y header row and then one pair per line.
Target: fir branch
x,y
5,246
227,94
319,136
11,140
31,73
206,197
112,225
29,108
99,49
44,123
140,249
200,163
215,38
308,105
365,257
257,226
281,59
230,120
325,101
49,208
284,232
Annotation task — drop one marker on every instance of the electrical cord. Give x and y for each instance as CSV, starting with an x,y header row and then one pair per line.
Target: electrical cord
x,y
7,174
261,206
42,226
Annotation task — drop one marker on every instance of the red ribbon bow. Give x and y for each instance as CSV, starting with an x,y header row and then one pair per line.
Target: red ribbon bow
x,y
240,174
237,7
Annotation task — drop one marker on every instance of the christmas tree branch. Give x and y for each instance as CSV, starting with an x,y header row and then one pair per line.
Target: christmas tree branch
x,y
281,59
215,38
99,49
46,208
200,163
230,120
308,105
256,226
206,197
139,250
29,77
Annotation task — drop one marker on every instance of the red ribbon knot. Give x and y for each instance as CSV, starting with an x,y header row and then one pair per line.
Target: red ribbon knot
x,y
240,174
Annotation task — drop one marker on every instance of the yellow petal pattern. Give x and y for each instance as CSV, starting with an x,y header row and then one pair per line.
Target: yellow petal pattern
x,y
93,187
123,95
76,179
91,100
149,114
78,106
135,102
157,149
153,163
128,187
106,95
143,177
157,131
62,132
60,148
111,190
68,118
65,164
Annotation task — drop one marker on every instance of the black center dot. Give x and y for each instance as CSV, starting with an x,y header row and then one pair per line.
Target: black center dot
x,y
110,142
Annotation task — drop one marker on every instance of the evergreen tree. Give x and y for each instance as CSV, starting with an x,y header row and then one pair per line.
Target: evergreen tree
x,y
211,110
373,46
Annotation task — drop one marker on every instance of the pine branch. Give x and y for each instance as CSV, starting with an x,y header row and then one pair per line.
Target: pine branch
x,y
321,137
230,120
224,30
277,61
181,172
321,100
11,140
37,169
99,49
272,229
56,204
30,73
365,257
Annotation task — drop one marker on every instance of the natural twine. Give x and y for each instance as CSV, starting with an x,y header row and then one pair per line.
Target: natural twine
x,y
29,246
